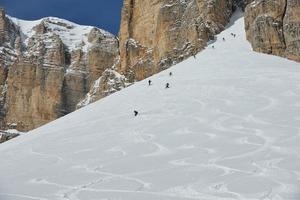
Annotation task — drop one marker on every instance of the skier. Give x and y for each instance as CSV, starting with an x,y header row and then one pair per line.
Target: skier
x,y
170,74
213,46
135,113
167,85
149,82
224,39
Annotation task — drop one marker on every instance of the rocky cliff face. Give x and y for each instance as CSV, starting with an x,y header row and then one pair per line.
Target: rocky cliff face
x,y
109,82
47,68
273,27
160,33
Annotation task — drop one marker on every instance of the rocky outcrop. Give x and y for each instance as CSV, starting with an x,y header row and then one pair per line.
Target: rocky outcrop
x,y
5,136
273,27
34,94
291,29
8,34
8,31
109,82
48,67
157,34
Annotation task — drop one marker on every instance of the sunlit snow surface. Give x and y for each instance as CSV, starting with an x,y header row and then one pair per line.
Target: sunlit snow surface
x,y
228,128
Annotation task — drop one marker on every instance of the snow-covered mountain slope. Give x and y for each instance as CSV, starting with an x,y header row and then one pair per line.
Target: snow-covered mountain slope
x,y
227,128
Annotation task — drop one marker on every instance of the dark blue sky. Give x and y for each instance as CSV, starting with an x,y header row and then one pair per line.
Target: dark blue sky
x,y
104,14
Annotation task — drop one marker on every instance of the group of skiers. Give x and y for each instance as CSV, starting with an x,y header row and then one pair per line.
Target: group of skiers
x,y
150,83
232,34
170,74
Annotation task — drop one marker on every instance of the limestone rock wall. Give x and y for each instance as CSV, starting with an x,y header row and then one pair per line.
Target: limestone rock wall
x,y
157,34
291,29
34,95
273,27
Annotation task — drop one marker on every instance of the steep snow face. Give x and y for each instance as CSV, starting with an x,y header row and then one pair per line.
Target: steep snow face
x,y
74,36
26,27
227,128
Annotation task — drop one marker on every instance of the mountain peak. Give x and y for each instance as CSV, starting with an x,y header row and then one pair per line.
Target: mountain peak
x,y
2,12
73,35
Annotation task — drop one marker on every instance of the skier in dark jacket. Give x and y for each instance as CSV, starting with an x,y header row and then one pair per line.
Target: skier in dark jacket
x,y
170,74
135,113
149,82
167,85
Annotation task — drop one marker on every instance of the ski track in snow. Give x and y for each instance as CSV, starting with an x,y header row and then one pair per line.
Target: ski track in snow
x,y
227,128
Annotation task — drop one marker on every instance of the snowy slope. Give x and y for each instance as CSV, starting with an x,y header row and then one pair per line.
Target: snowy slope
x,y
228,128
